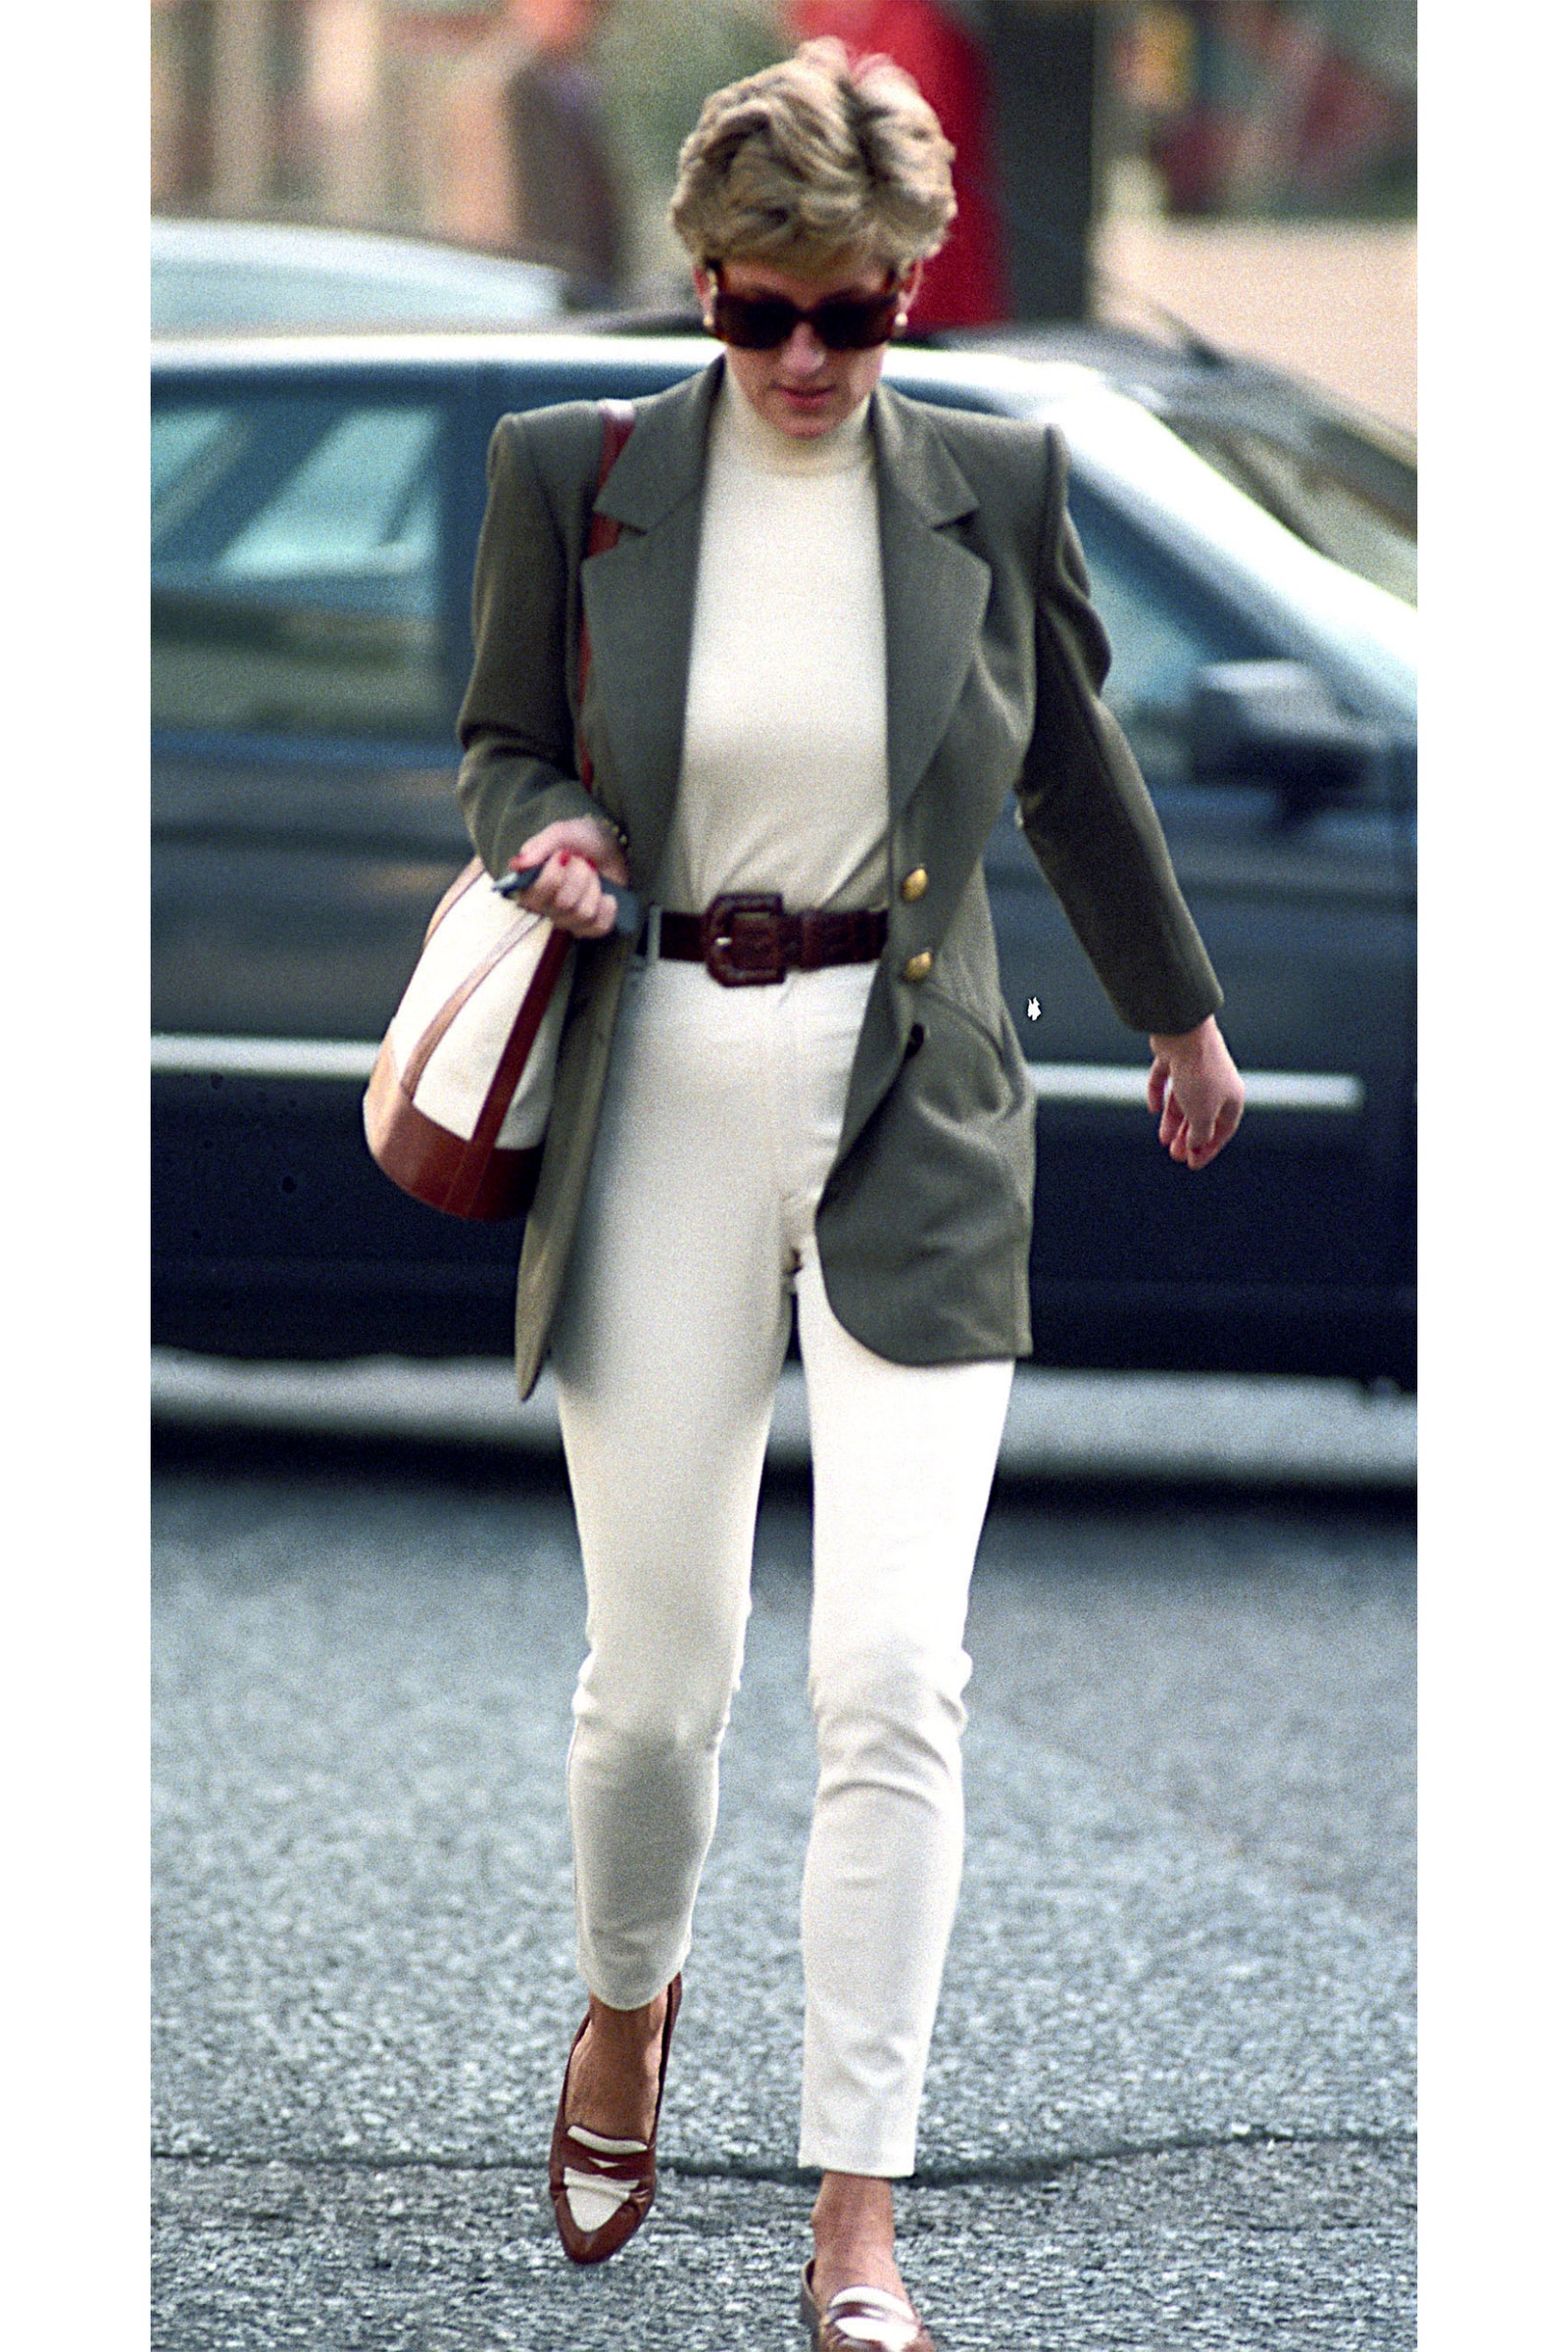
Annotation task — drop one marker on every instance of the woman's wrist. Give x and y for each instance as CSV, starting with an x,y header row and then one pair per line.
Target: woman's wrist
x,y
1183,1040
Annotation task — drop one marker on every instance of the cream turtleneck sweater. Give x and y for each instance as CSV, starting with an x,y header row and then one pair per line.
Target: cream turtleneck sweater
x,y
783,778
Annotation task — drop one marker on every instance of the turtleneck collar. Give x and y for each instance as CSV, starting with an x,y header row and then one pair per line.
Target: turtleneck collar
x,y
752,437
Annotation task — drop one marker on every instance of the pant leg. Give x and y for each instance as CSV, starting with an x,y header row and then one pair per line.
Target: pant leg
x,y
667,1357
902,1458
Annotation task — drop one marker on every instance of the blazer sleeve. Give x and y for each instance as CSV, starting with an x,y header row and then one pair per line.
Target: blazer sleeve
x,y
1086,810
516,726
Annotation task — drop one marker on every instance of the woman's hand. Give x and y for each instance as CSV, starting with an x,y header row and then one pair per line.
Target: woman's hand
x,y
574,852
1196,1091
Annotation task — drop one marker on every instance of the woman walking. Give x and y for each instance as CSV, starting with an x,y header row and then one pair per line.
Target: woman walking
x,y
837,629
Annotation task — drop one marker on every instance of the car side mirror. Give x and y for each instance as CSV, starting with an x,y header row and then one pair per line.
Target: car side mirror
x,y
1276,722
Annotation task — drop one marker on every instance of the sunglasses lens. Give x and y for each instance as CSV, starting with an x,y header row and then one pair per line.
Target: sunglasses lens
x,y
763,322
855,325
754,322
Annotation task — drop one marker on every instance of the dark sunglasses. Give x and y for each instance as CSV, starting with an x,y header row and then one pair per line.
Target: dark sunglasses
x,y
843,323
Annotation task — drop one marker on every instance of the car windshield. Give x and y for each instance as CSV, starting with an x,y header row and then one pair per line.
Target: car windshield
x,y
1358,635
216,278
1316,498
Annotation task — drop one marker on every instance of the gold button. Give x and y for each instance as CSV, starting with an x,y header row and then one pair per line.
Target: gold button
x,y
919,966
915,883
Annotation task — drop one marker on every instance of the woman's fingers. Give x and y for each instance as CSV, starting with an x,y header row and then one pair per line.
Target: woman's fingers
x,y
576,884
580,904
592,905
568,891
582,837
1198,1091
1222,1118
1198,1145
1199,1132
573,853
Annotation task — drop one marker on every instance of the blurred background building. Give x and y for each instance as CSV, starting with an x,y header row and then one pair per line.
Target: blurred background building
x,y
1248,164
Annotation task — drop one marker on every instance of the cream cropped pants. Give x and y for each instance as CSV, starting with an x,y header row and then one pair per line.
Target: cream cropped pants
x,y
721,1121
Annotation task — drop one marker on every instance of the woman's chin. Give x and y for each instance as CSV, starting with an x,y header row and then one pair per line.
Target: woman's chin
x,y
804,414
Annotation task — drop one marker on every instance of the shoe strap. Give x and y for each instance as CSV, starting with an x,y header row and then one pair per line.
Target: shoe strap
x,y
602,2146
870,2299
857,2329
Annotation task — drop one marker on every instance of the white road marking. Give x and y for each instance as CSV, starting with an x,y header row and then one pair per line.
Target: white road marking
x,y
308,1057
1266,1090
262,1058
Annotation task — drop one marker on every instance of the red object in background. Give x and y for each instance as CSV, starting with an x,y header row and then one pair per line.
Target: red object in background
x,y
1280,120
965,283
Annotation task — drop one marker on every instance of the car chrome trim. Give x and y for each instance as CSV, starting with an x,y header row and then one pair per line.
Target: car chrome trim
x,y
1266,1090
262,1057
1101,1082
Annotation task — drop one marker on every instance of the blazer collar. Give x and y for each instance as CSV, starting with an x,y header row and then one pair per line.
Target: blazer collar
x,y
639,596
638,599
935,591
663,461
914,460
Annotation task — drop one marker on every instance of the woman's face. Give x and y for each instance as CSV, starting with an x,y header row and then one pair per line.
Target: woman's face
x,y
801,386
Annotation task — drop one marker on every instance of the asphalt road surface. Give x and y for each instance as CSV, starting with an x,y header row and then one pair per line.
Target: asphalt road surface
x,y
1171,2095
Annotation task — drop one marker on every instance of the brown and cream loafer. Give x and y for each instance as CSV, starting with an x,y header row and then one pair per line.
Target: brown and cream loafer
x,y
861,2319
601,2188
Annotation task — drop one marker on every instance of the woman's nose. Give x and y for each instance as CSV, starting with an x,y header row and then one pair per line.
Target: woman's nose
x,y
804,353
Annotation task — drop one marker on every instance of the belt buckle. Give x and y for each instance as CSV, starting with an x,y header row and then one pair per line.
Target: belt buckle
x,y
742,938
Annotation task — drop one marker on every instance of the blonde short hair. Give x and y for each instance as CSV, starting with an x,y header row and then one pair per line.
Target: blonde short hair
x,y
813,159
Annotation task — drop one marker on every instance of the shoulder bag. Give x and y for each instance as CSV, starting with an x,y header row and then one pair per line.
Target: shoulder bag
x,y
458,1101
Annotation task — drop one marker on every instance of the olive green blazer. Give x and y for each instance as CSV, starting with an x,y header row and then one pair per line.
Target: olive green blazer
x,y
995,661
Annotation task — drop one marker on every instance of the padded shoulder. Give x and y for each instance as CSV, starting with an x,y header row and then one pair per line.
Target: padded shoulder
x,y
1015,466
558,445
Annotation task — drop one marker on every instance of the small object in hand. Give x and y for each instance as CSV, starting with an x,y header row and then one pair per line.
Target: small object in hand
x,y
516,880
628,905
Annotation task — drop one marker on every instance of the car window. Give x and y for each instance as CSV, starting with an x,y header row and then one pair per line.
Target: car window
x,y
1163,630
296,566
253,297
1316,500
1164,625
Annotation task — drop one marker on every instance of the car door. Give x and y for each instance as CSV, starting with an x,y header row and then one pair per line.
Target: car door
x,y
312,529
1293,1250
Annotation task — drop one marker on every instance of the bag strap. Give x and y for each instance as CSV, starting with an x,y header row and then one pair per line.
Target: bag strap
x,y
603,532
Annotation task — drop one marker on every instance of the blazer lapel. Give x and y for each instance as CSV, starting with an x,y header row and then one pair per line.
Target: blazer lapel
x,y
934,590
638,599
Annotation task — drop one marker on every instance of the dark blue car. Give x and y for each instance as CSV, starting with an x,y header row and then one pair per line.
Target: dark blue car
x,y
316,506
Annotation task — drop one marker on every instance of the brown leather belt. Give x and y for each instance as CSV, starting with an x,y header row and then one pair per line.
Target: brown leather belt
x,y
747,939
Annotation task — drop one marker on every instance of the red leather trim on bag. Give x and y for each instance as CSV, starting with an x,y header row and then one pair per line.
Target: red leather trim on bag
x,y
433,1164
454,1005
514,1055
